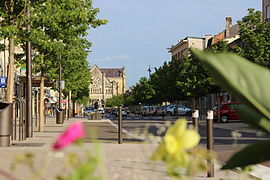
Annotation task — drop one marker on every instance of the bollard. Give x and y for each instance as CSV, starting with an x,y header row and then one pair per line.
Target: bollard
x,y
210,142
195,117
120,125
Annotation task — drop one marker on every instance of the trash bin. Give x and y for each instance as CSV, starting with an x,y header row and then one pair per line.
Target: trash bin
x,y
5,123
59,116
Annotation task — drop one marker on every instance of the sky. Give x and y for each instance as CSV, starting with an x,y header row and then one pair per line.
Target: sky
x,y
139,32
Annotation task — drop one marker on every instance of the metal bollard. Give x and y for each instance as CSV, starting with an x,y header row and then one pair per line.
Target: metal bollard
x,y
210,142
120,140
195,118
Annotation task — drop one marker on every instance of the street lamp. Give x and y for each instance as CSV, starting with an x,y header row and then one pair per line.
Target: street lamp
x,y
149,70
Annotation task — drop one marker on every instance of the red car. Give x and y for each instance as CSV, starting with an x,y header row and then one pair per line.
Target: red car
x,y
227,111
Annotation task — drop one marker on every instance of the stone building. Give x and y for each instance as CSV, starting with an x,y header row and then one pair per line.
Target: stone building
x,y
107,82
229,34
180,50
266,10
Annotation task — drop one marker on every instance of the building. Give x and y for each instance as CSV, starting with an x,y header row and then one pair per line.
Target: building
x,y
107,82
266,10
181,49
230,34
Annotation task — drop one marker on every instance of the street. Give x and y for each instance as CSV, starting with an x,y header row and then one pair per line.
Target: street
x,y
224,143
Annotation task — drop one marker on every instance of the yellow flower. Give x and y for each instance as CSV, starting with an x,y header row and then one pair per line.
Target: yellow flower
x,y
176,141
185,138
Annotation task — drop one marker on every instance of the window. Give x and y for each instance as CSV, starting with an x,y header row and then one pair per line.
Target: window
x,y
268,12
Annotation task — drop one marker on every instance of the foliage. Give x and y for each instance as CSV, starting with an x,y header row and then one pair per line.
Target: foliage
x,y
255,38
58,31
143,92
246,81
179,150
160,83
115,101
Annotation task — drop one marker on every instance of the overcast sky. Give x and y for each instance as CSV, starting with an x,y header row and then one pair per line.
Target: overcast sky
x,y
140,31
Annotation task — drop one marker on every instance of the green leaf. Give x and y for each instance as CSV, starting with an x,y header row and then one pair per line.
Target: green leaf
x,y
254,119
243,78
84,171
255,153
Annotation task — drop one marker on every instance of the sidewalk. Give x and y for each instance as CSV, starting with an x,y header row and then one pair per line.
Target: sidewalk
x,y
128,161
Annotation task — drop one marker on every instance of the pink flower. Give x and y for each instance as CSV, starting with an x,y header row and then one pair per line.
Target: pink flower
x,y
74,132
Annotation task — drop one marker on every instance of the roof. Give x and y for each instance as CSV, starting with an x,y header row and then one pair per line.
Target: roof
x,y
113,72
184,41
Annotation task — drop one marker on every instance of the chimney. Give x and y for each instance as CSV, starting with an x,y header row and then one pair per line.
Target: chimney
x,y
228,26
207,37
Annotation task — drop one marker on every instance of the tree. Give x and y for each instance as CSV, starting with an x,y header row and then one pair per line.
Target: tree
x,y
159,82
62,26
255,38
12,21
143,92
116,100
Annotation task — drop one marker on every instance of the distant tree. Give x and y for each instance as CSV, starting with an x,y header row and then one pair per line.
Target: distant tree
x,y
115,101
143,92
160,84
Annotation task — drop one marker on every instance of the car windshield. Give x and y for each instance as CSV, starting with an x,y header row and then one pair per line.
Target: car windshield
x,y
89,108
216,106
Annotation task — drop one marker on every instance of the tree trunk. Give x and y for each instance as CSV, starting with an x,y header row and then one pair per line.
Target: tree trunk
x,y
11,75
41,106
41,99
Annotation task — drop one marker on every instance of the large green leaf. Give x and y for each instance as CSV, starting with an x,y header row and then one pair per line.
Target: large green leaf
x,y
254,119
248,81
253,154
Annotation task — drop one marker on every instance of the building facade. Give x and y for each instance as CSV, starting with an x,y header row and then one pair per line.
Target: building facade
x,y
107,82
230,34
181,49
266,10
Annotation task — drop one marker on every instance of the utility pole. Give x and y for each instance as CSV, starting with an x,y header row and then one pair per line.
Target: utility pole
x,y
28,96
59,84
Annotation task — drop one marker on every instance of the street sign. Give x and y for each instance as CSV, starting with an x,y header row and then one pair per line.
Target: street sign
x,y
62,84
3,82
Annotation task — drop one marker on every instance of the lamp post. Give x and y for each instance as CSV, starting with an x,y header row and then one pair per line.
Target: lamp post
x,y
112,87
149,70
60,113
28,96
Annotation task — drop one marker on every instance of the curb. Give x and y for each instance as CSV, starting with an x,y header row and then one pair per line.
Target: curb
x,y
125,131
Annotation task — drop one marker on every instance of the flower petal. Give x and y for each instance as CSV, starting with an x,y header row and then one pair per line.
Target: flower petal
x,y
190,138
171,144
74,132
178,128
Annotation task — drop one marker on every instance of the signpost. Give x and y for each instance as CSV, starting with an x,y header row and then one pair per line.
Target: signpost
x,y
3,82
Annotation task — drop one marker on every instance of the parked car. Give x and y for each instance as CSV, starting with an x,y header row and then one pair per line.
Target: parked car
x,y
124,112
101,110
88,110
170,110
226,111
161,110
114,111
182,110
149,110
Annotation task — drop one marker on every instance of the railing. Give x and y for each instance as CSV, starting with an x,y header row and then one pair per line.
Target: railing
x,y
19,120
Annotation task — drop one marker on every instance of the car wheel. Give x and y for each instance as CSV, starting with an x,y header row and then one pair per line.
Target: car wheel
x,y
224,119
168,113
